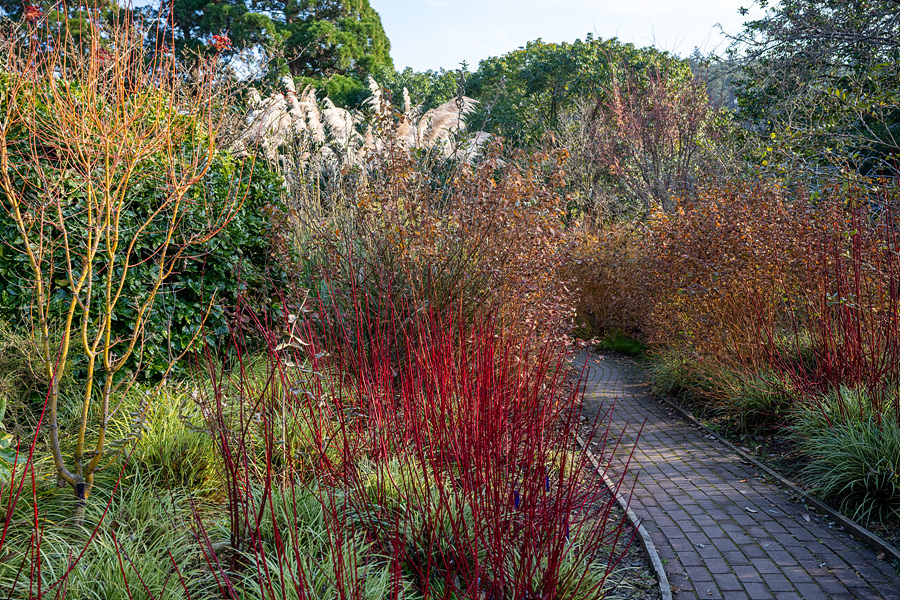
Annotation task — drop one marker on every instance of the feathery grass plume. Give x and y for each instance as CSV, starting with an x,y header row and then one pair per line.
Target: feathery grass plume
x,y
334,133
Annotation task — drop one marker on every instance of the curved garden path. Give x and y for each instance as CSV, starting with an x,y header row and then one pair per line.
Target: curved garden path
x,y
720,529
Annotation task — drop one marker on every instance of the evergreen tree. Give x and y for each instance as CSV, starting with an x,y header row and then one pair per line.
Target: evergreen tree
x,y
317,38
327,37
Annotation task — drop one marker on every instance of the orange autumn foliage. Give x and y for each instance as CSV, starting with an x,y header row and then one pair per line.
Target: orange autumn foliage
x,y
485,239
706,274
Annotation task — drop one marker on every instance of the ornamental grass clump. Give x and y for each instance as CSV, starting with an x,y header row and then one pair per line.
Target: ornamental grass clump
x,y
133,541
854,446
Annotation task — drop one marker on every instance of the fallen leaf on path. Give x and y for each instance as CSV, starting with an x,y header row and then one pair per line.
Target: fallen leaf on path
x,y
750,510
881,556
744,480
805,517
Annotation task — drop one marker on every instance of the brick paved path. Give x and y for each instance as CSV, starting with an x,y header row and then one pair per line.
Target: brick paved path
x,y
720,530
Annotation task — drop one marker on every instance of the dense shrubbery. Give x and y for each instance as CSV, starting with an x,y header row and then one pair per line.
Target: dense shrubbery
x,y
485,239
455,469
407,428
233,265
766,305
454,465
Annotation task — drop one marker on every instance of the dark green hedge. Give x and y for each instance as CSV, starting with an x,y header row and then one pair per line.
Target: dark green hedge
x,y
233,265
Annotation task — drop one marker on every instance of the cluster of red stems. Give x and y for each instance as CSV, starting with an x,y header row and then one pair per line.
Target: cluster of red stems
x,y
500,493
502,506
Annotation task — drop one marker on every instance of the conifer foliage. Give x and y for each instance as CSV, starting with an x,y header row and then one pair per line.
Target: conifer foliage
x,y
316,38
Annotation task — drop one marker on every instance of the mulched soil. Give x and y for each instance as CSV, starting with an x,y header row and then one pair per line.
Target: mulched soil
x,y
638,580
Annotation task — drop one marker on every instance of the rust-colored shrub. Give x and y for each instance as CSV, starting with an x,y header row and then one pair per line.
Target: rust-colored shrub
x,y
509,222
702,275
486,239
606,270
728,258
753,279
848,316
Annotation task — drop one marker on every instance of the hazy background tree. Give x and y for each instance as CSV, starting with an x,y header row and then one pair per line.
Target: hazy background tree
x,y
525,92
637,122
55,18
190,25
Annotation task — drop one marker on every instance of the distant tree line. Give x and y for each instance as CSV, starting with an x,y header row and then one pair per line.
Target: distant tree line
x,y
809,89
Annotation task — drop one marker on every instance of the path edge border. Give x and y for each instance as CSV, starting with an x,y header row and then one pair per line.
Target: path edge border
x,y
646,542
855,530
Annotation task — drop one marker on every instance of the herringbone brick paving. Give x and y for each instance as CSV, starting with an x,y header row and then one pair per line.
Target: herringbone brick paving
x,y
719,528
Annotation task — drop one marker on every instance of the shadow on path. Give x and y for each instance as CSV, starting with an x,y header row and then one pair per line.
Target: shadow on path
x,y
719,528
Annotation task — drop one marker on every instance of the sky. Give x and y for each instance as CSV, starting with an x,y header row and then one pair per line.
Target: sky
x,y
429,34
